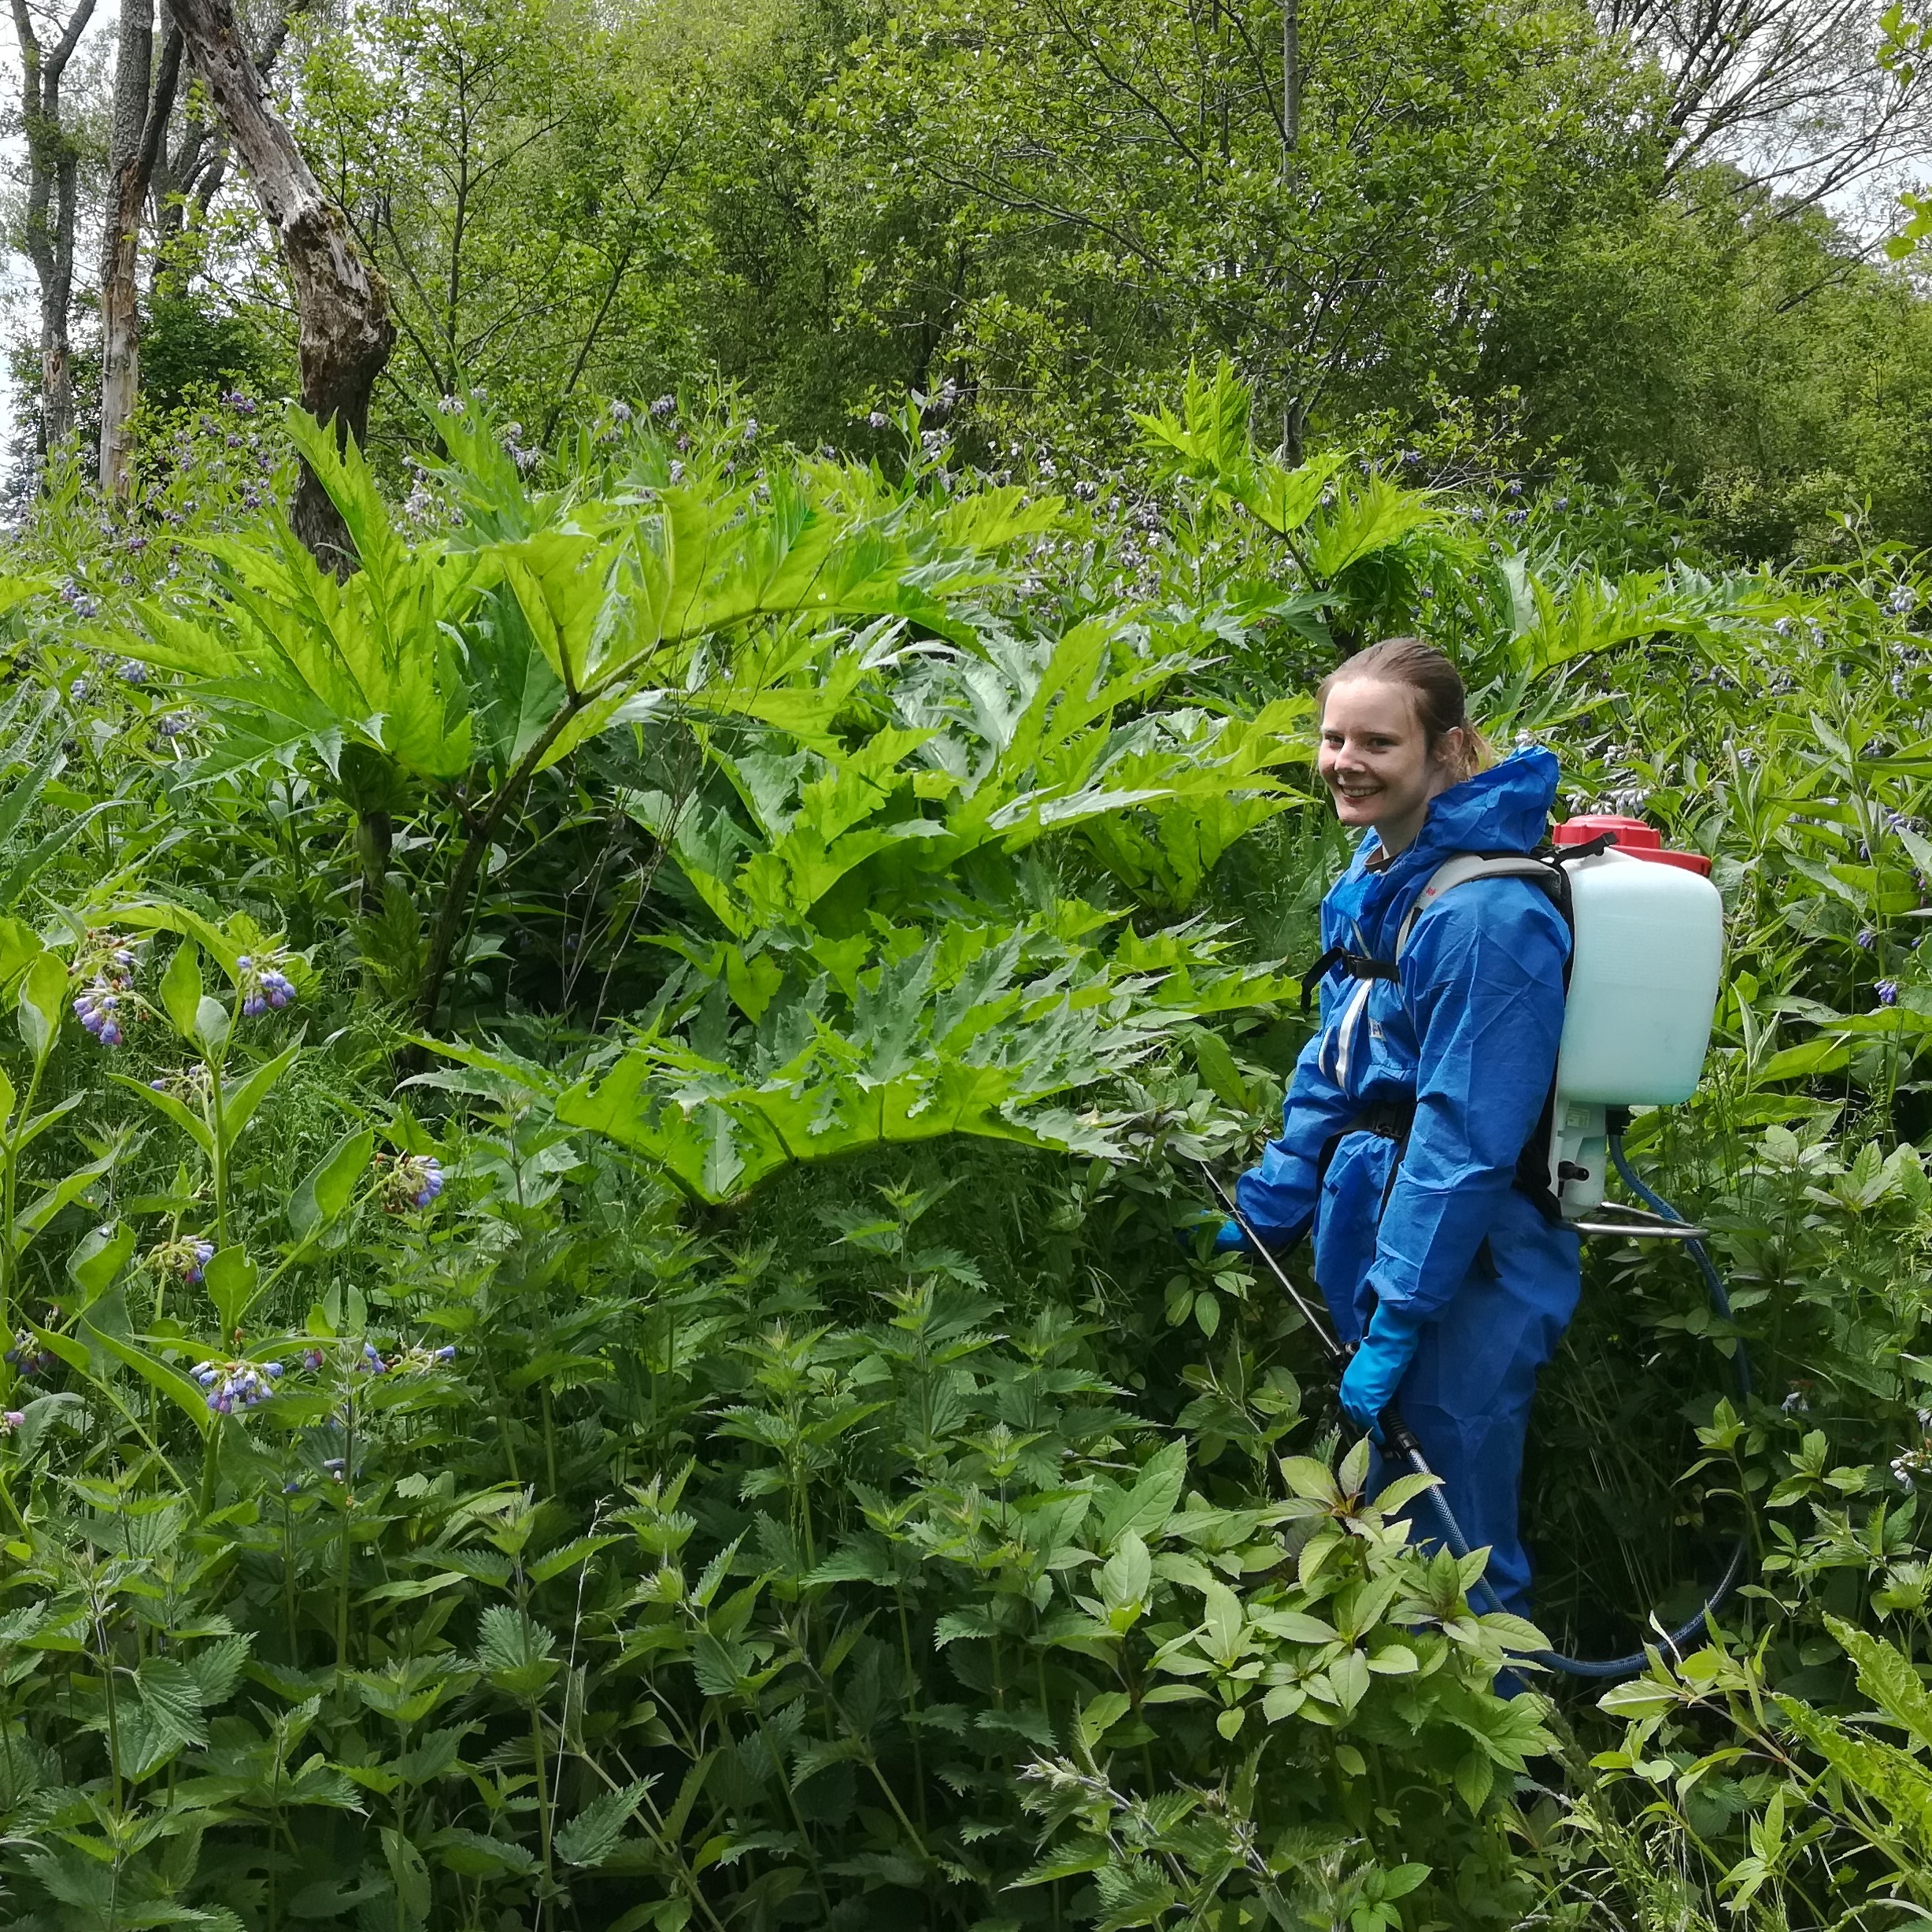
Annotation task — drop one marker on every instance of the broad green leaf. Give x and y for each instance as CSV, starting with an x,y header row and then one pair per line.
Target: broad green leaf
x,y
165,1103
239,1101
191,1400
323,1193
211,1024
96,1263
588,1838
42,1000
232,1283
1143,1510
181,988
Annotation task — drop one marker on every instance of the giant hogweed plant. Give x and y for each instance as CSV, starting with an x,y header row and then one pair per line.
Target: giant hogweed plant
x,y
446,675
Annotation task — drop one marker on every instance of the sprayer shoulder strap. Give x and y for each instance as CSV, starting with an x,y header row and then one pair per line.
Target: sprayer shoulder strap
x,y
1533,1177
1467,865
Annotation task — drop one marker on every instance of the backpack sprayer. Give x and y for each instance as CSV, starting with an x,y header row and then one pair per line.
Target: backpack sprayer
x,y
1647,932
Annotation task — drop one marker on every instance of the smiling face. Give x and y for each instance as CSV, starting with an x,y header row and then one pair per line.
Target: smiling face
x,y
1376,761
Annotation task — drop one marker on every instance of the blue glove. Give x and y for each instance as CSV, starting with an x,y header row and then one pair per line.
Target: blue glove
x,y
1227,1237
1368,1384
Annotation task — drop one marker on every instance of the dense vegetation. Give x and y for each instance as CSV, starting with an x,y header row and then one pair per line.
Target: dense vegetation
x,y
608,1312
592,1165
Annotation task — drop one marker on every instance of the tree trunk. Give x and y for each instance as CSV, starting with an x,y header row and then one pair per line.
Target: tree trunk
x,y
140,123
53,168
346,330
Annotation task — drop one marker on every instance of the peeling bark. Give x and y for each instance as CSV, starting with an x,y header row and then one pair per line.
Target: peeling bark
x,y
343,308
187,180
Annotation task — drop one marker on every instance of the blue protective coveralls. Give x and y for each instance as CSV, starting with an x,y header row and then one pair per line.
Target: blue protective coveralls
x,y
1470,1035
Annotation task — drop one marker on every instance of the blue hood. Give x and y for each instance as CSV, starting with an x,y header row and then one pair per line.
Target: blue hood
x,y
1505,809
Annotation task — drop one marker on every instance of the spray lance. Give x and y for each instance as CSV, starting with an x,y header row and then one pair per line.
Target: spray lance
x,y
1646,954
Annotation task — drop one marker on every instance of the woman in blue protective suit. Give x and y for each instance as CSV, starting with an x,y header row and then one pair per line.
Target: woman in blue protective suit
x,y
1411,1107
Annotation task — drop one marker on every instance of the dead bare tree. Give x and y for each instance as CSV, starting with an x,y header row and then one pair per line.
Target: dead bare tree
x,y
344,329
53,173
188,176
144,98
1790,92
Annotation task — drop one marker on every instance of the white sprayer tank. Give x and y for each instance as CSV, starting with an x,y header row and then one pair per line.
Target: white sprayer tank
x,y
1643,990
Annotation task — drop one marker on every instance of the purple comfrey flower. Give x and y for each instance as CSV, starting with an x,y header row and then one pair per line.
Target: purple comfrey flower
x,y
312,1359
262,983
449,406
1513,488
1085,491
620,412
29,1356
751,429
13,1418
77,691
1903,602
231,1386
246,405
131,671
677,471
97,1009
1867,939
665,406
173,724
1887,990
879,419
1516,517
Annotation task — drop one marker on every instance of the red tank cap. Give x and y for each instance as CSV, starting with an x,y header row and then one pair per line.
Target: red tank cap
x,y
1631,835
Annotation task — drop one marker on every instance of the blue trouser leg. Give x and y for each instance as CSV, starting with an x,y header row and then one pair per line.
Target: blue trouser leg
x,y
1467,1397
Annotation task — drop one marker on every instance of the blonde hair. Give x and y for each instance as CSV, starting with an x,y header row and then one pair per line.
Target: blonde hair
x,y
1432,681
